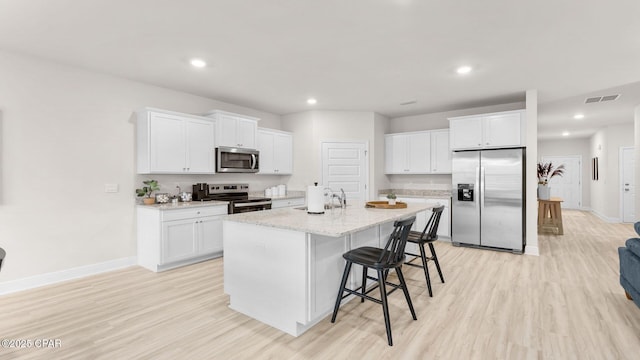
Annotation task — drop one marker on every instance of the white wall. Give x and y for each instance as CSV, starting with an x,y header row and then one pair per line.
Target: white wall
x,y
65,133
532,173
311,128
605,193
565,147
439,120
636,123
381,181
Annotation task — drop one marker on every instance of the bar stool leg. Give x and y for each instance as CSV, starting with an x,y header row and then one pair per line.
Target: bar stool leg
x,y
385,306
364,282
345,276
423,255
435,259
406,292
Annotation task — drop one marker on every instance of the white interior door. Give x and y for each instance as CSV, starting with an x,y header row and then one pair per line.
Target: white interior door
x,y
344,166
568,187
627,185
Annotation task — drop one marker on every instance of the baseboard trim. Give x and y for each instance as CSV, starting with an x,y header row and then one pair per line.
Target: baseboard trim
x,y
36,281
531,250
612,220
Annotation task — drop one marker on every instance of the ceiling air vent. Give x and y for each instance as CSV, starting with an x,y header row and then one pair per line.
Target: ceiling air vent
x,y
610,97
596,99
410,102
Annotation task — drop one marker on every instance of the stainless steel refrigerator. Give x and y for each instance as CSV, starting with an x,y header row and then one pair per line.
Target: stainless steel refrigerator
x,y
488,207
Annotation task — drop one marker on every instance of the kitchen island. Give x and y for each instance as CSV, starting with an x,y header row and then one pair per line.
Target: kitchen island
x,y
283,267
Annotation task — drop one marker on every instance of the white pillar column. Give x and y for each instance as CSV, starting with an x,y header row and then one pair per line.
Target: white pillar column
x,y
532,173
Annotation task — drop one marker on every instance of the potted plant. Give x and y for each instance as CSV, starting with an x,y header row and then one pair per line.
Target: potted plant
x,y
545,172
392,198
147,190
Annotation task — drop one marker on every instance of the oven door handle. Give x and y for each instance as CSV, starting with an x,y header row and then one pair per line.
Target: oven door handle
x,y
253,161
252,204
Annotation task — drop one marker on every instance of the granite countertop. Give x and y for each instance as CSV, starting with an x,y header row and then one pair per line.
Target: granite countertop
x,y
442,194
290,195
336,223
185,205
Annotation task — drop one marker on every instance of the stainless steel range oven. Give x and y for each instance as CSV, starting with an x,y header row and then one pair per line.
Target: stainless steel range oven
x,y
238,197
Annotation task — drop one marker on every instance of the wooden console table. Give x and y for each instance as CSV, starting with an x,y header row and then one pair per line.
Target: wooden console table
x,y
550,215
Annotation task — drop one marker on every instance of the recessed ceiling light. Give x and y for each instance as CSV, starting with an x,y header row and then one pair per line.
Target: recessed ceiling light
x,y
578,116
565,133
311,101
199,63
463,70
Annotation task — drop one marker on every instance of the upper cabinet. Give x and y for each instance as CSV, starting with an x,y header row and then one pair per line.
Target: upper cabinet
x,y
174,143
440,152
276,152
420,152
496,130
235,130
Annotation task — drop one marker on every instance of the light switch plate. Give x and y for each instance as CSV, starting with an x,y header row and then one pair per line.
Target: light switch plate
x,y
111,188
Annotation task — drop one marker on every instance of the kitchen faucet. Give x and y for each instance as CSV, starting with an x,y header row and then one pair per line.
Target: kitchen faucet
x,y
343,199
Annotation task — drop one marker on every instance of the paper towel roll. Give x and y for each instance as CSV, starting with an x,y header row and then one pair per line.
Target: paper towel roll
x,y
315,200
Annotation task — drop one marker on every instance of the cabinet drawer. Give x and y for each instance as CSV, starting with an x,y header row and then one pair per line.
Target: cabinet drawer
x,y
276,204
168,215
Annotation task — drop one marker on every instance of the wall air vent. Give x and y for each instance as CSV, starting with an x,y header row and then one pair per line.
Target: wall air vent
x,y
596,99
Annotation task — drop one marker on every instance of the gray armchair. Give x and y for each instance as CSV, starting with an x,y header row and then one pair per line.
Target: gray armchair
x,y
630,267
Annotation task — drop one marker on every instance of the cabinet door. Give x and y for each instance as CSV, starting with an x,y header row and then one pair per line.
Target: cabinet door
x,y
396,154
246,133
502,130
419,153
283,154
465,133
444,228
226,131
440,152
210,234
178,240
266,148
200,146
167,150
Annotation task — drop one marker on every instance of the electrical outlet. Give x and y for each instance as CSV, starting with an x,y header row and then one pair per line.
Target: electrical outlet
x,y
111,188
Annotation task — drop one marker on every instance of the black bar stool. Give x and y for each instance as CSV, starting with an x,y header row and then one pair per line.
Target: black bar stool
x,y
391,257
2,255
427,236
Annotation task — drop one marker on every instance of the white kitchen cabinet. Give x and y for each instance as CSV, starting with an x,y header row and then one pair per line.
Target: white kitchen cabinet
x,y
496,130
440,152
291,202
276,152
174,143
444,228
170,237
235,130
408,153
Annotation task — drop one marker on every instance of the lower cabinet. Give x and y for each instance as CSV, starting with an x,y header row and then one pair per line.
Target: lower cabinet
x,y
444,228
168,238
281,203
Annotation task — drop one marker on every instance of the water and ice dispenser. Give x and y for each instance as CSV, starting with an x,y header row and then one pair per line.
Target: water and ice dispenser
x,y
465,192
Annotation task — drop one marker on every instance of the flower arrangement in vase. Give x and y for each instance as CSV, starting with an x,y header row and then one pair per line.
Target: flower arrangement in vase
x,y
546,171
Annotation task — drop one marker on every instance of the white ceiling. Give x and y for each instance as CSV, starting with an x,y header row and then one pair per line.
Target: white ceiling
x,y
367,55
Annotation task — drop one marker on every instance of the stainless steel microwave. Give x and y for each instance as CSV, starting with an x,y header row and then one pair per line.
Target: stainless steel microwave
x,y
237,160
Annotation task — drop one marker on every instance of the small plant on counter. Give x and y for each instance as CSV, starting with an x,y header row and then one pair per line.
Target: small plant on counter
x,y
392,198
147,190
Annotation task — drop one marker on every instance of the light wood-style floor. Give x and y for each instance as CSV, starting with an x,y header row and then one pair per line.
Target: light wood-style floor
x,y
565,304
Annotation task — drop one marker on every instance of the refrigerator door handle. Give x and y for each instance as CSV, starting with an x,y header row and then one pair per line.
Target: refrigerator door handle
x,y
482,185
478,187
